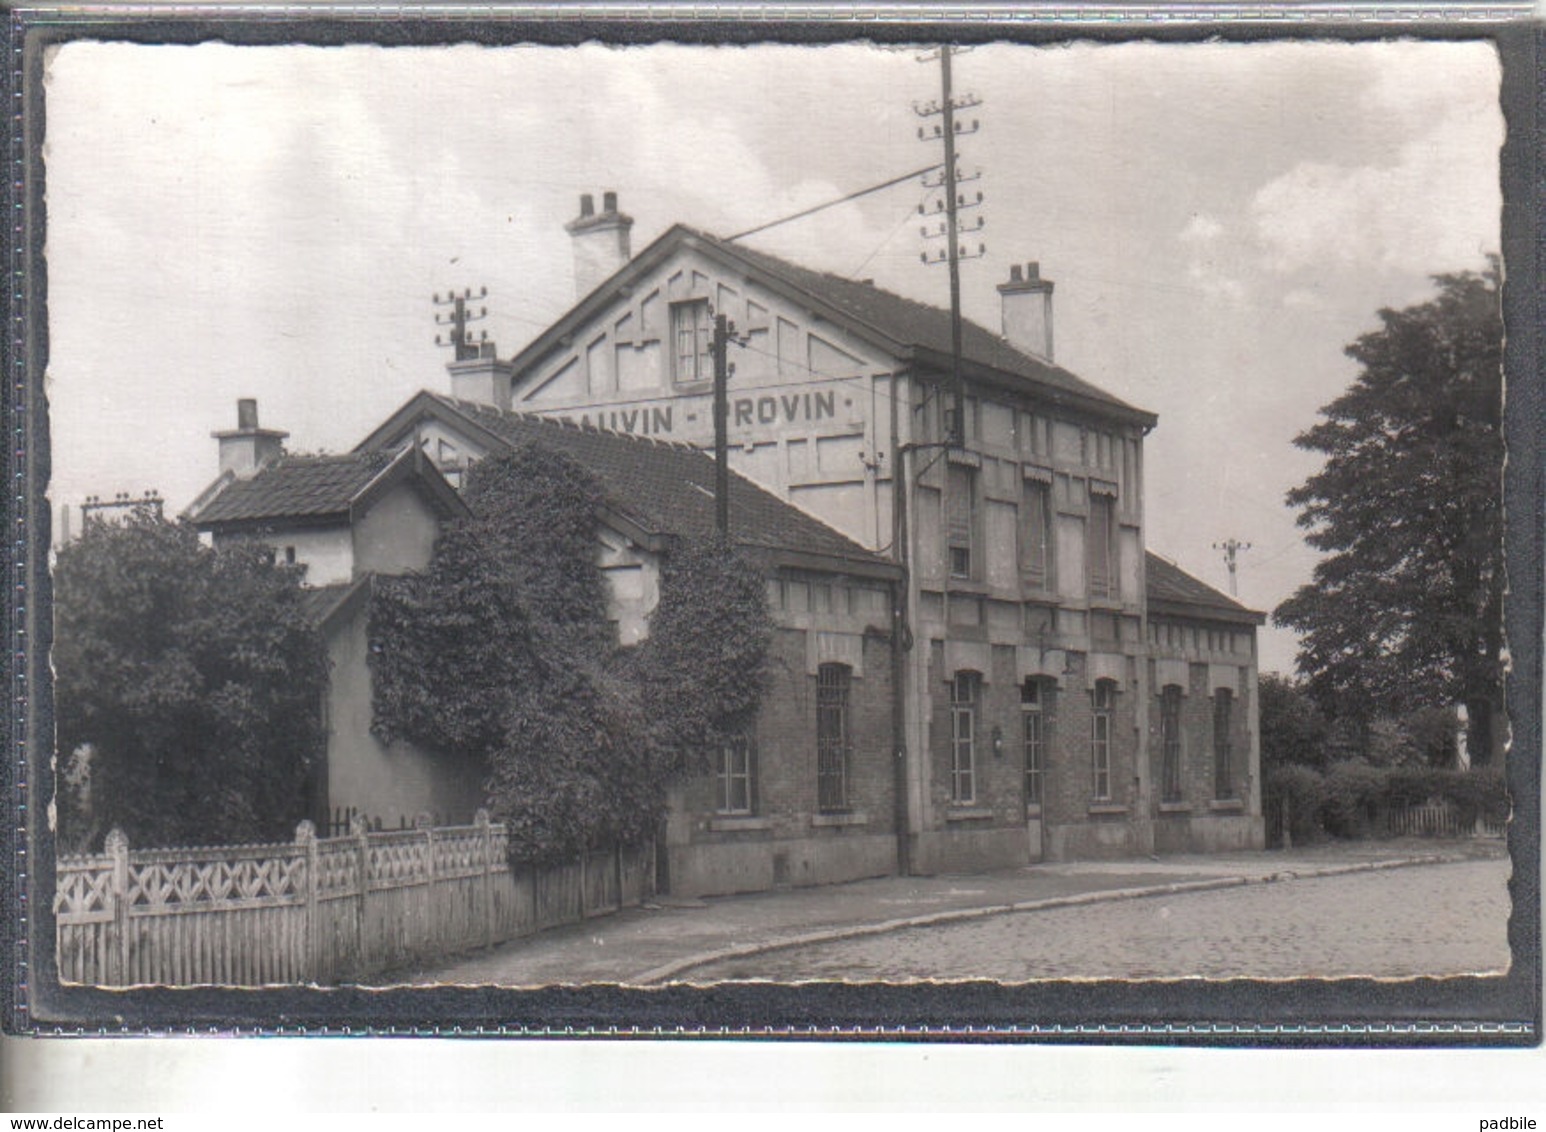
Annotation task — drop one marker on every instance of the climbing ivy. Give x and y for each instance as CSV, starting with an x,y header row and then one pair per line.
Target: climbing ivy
x,y
502,650
705,662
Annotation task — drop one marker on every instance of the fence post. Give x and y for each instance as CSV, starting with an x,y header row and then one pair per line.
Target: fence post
x,y
306,842
426,823
486,839
117,847
360,829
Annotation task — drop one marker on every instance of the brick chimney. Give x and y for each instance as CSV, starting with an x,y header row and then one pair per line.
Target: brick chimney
x,y
247,448
601,242
1027,310
484,379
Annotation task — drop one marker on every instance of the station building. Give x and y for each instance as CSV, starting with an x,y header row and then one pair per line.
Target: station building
x,y
1061,691
984,665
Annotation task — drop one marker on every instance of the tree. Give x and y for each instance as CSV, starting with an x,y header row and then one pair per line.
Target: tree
x,y
1405,610
1294,732
188,688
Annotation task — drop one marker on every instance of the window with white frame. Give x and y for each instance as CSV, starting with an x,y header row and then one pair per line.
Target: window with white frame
x,y
1170,743
1035,723
965,694
1223,749
833,684
1102,704
736,774
692,335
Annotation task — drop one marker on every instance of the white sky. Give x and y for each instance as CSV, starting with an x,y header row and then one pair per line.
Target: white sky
x,y
1219,220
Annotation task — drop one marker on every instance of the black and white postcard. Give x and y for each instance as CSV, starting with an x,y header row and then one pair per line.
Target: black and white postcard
x,y
890,532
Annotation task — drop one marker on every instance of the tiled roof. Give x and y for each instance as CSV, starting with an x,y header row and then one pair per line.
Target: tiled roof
x,y
1169,584
917,324
318,603
310,487
667,488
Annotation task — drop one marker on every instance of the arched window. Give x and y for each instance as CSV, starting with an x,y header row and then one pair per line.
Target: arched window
x,y
965,694
1102,703
1170,743
1223,749
833,682
1036,727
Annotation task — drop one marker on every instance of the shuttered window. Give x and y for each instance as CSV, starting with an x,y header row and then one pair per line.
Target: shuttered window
x,y
1102,548
961,519
1036,532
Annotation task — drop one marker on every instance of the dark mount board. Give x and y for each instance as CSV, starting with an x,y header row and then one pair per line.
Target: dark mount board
x,y
1465,1011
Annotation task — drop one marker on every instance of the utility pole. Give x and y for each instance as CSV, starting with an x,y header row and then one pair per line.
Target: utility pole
x,y
954,201
1231,548
460,338
719,349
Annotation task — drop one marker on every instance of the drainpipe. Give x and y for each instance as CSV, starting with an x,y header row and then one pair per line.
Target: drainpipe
x,y
901,638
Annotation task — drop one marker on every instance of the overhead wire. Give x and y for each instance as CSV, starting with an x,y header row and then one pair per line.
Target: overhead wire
x,y
832,203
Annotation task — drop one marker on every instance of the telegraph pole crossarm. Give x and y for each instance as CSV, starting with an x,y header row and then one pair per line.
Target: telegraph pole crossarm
x,y
150,502
460,338
954,201
1232,548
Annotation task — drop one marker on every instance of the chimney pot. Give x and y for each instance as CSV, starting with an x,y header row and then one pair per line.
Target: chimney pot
x,y
246,449
1027,310
600,242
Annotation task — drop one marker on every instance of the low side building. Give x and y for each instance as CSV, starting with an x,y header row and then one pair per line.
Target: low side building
x,y
1203,715
345,520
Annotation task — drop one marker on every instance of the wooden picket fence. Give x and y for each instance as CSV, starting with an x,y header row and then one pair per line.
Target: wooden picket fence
x,y
318,910
1435,819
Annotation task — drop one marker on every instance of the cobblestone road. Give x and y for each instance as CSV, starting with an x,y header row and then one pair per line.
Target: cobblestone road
x,y
1437,919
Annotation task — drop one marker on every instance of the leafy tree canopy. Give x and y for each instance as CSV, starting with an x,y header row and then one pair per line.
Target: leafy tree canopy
x,y
1294,732
188,688
1405,609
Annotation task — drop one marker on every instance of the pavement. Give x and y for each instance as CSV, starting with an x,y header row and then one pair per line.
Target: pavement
x,y
666,939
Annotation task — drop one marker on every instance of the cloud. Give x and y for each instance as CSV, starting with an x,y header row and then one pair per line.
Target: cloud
x,y
1437,205
1201,229
1304,298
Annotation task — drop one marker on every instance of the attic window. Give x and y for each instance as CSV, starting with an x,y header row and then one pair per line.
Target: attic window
x,y
691,339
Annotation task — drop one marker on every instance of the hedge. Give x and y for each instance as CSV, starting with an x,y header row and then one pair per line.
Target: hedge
x,y
1349,797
